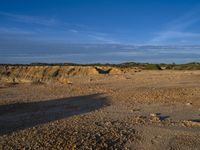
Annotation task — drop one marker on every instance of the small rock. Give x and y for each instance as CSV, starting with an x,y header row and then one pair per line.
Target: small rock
x,y
154,141
153,115
108,123
69,82
188,104
154,118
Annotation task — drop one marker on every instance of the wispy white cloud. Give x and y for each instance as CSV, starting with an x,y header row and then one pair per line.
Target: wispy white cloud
x,y
14,30
102,39
73,31
177,29
94,36
29,19
57,28
164,36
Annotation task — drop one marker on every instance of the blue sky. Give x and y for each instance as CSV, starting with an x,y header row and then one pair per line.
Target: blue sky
x,y
49,25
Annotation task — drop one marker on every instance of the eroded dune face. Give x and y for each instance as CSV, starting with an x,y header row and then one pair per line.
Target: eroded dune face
x,y
23,74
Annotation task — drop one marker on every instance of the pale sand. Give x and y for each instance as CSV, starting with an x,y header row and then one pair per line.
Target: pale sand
x,y
143,110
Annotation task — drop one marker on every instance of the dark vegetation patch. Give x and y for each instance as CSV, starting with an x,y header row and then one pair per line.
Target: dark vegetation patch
x,y
145,66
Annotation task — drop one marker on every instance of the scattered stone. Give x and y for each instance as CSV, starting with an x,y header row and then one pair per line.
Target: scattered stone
x,y
187,123
153,115
188,104
69,82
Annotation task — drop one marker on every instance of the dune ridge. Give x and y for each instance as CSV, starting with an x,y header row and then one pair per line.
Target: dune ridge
x,y
46,74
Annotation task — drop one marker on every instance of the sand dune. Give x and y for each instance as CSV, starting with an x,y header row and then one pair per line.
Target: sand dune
x,y
50,73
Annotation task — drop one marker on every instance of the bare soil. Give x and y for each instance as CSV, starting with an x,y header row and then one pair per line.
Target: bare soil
x,y
148,110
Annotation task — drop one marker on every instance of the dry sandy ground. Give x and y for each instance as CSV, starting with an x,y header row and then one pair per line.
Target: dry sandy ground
x,y
148,110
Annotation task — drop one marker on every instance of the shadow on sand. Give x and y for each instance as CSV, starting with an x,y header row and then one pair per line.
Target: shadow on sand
x,y
23,115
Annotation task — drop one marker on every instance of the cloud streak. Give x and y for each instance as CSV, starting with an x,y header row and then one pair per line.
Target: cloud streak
x,y
14,30
167,35
177,29
102,39
29,19
55,28
73,31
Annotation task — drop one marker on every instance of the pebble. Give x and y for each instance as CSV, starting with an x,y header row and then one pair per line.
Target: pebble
x,y
188,104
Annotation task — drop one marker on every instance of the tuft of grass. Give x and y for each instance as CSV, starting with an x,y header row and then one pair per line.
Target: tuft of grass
x,y
152,67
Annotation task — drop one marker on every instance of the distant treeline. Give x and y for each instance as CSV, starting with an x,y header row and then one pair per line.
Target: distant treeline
x,y
146,66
